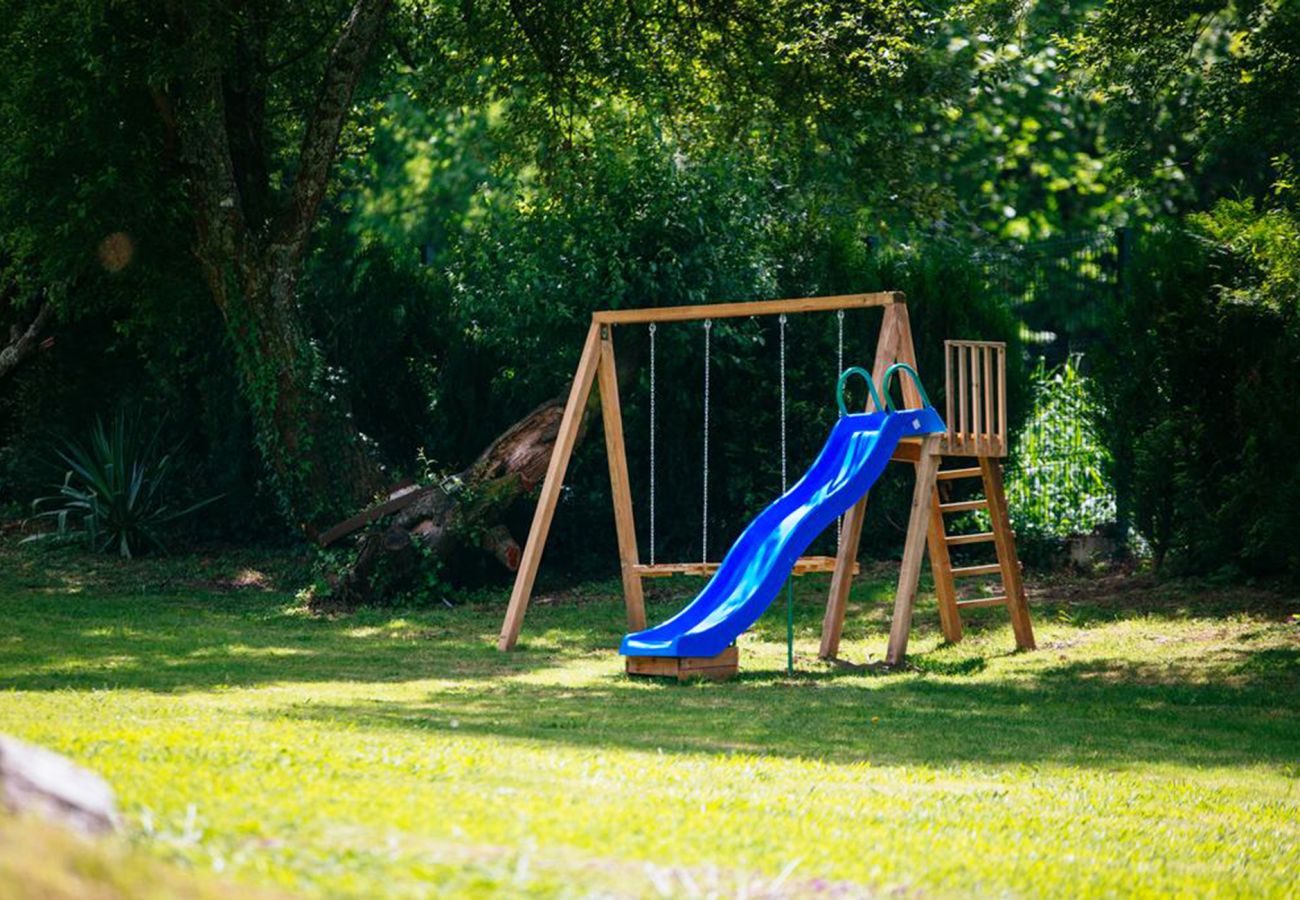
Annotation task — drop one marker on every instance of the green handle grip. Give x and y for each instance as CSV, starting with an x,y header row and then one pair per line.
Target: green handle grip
x,y
871,387
888,380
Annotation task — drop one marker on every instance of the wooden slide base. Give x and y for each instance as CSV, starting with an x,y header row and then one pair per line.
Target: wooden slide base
x,y
715,668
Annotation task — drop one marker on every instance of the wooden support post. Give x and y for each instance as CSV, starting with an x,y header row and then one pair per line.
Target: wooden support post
x,y
909,572
893,331
620,485
941,567
550,495
1013,585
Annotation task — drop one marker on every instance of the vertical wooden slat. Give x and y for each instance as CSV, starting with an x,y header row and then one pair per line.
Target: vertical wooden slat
x,y
619,483
1002,401
976,398
962,400
550,494
948,387
989,429
909,571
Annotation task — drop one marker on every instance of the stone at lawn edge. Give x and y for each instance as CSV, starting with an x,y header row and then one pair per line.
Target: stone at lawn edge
x,y
40,782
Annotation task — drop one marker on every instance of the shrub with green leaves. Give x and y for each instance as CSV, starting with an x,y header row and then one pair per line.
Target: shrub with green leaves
x,y
116,490
1058,485
1202,391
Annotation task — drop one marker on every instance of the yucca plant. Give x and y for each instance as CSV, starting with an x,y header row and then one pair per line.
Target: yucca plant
x,y
115,490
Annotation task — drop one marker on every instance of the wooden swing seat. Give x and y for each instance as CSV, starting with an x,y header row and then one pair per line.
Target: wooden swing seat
x,y
807,565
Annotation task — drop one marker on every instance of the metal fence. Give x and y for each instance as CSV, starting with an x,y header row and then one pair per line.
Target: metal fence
x,y
1058,483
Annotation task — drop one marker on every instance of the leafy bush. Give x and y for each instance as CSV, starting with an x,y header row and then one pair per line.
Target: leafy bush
x,y
115,490
1058,484
1202,392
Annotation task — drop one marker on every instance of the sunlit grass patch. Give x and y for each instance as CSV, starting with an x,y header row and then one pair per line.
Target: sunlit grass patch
x,y
1148,746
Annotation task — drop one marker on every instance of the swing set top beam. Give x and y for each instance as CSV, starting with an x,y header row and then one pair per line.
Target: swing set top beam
x,y
738,310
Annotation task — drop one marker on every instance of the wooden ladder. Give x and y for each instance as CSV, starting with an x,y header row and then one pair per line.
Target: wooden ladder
x,y
1003,539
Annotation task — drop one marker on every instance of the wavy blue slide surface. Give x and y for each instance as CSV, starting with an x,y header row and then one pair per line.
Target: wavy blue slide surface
x,y
757,565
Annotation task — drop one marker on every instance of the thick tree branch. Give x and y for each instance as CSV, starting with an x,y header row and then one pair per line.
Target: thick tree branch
x,y
25,341
343,70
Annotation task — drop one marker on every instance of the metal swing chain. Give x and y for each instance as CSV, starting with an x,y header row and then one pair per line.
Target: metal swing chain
x,y
704,515
653,412
839,344
789,582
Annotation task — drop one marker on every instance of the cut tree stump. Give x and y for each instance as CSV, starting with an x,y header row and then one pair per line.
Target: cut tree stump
x,y
40,782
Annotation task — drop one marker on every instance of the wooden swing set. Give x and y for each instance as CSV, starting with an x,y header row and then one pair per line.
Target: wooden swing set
x,y
975,380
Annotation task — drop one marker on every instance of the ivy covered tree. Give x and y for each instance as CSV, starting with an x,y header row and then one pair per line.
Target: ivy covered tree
x,y
211,131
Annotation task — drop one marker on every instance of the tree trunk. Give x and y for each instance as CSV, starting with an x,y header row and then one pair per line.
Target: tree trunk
x,y
317,457
463,513
23,341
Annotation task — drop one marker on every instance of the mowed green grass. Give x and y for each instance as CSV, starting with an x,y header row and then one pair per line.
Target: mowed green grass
x,y
1151,746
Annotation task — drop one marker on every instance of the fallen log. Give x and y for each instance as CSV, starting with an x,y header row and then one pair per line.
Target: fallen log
x,y
443,521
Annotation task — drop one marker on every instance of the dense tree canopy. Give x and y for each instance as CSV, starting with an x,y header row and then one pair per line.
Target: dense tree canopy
x,y
329,238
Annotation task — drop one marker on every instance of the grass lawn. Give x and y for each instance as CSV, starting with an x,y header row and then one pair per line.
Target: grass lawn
x,y
1152,744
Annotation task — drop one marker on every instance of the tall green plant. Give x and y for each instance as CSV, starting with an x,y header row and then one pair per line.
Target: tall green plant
x,y
1058,484
115,491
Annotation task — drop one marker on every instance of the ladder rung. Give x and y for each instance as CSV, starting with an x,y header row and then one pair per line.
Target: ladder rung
x,y
982,537
990,569
950,474
963,505
982,601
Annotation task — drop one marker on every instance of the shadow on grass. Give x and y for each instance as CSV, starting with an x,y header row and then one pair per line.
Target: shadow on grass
x,y
1092,712
165,645
1088,714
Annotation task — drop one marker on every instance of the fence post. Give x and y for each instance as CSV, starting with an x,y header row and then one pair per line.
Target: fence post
x,y
1123,513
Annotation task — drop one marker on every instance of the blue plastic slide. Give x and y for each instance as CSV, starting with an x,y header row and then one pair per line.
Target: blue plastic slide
x,y
757,565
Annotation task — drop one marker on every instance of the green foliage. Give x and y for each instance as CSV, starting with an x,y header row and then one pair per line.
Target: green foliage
x,y
1202,392
1025,150
117,490
1200,97
1058,485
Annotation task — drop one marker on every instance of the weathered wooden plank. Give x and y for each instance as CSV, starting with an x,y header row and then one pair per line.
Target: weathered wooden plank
x,y
982,601
982,537
751,308
1012,582
909,570
716,668
951,474
400,496
963,505
611,413
972,571
550,493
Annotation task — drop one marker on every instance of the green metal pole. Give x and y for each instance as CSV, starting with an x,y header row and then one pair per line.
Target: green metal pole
x,y
789,626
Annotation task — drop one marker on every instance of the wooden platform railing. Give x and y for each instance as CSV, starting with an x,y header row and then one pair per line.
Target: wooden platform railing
x,y
975,380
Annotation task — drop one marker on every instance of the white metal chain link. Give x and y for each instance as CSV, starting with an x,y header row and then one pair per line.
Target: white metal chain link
x,y
653,413
704,515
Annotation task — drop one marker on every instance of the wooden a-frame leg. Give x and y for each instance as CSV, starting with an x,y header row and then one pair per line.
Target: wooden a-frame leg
x,y
1004,539
550,494
909,572
893,328
893,345
611,413
842,580
945,587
